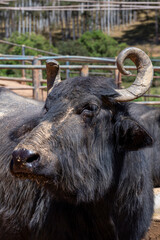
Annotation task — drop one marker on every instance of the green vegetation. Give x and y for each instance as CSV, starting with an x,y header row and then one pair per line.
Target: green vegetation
x,y
72,48
33,40
99,44
95,44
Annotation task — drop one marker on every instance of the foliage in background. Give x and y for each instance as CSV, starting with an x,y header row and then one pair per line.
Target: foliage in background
x,y
95,44
99,44
33,40
72,48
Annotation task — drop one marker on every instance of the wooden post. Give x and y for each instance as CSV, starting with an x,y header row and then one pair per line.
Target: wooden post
x,y
36,79
116,77
116,74
85,71
40,70
119,79
40,78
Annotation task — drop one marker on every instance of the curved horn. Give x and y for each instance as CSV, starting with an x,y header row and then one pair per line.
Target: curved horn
x,y
144,74
53,73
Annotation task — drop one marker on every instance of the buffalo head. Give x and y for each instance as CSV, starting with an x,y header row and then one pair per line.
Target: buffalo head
x,y
83,135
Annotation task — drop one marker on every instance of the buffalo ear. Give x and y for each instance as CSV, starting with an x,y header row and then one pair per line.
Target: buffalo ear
x,y
53,73
131,135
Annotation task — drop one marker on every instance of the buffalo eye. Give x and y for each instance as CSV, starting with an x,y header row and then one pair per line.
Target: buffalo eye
x,y
89,111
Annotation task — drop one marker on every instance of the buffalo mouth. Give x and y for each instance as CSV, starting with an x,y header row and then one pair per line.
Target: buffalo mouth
x,y
31,175
49,184
40,179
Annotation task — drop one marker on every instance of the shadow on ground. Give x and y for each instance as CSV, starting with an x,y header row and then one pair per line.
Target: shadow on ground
x,y
142,33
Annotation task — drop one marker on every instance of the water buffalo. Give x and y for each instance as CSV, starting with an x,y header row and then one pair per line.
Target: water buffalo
x,y
149,117
78,168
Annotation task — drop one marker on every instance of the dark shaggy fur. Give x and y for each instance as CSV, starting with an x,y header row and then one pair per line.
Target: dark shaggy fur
x,y
149,117
92,179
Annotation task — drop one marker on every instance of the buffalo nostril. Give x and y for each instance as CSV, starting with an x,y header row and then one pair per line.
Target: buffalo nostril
x,y
24,160
25,155
32,158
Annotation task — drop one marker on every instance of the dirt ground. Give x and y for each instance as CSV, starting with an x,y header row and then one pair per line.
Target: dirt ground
x,y
154,231
25,93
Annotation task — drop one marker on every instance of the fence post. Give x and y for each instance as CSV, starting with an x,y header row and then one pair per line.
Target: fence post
x,y
85,71
67,71
23,54
36,79
40,70
119,79
116,77
40,76
116,73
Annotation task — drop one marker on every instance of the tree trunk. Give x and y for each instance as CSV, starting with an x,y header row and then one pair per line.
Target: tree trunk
x,y
66,25
6,25
50,29
78,20
62,23
156,26
30,18
96,19
130,17
34,24
23,21
73,27
19,23
101,17
69,24
108,22
105,17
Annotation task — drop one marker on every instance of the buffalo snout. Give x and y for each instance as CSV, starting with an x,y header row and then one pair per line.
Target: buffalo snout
x,y
24,161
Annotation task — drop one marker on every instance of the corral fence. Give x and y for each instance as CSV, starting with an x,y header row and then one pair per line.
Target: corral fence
x,y
78,65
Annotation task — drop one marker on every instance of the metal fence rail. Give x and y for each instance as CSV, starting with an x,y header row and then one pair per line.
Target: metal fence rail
x,y
58,58
37,67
